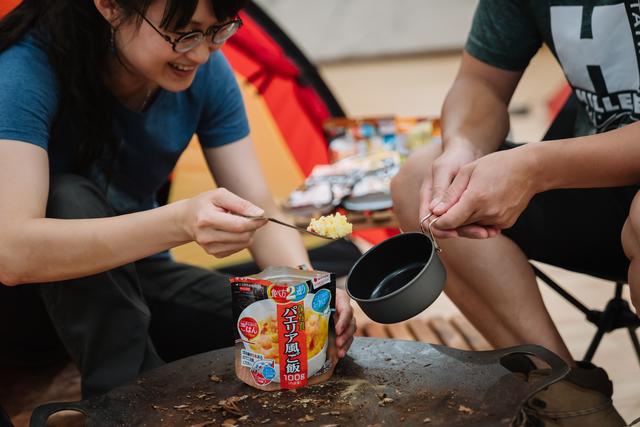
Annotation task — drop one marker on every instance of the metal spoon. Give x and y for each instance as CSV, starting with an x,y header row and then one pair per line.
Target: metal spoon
x,y
277,221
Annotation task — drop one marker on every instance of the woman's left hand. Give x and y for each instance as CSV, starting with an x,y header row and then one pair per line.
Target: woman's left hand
x,y
345,323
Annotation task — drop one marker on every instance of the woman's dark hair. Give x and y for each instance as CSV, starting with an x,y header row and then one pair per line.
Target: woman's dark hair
x,y
76,39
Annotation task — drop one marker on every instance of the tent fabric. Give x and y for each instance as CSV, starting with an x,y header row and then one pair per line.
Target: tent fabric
x,y
7,6
296,107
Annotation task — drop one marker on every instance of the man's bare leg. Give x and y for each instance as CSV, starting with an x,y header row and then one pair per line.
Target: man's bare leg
x,y
490,280
631,246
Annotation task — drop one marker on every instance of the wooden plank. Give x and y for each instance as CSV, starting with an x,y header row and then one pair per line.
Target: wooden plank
x,y
376,330
422,331
449,335
400,331
471,334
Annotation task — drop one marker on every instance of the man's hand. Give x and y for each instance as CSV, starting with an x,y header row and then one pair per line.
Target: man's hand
x,y
435,187
491,191
345,323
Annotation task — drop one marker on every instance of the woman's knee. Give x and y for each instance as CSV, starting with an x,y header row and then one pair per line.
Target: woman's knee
x,y
73,196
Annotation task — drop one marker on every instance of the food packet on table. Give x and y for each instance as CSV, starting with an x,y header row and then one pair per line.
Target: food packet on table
x,y
284,328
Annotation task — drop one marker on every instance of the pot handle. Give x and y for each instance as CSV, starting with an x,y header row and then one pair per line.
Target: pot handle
x,y
559,368
428,232
42,413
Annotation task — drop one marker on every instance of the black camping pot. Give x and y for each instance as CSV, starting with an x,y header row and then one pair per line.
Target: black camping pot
x,y
398,278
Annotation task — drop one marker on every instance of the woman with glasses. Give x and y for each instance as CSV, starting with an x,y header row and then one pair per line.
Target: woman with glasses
x,y
98,99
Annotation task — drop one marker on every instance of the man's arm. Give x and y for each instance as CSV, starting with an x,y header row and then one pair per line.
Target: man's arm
x,y
608,159
495,189
475,112
475,122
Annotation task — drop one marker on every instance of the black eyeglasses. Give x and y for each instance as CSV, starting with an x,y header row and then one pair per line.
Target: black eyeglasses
x,y
218,34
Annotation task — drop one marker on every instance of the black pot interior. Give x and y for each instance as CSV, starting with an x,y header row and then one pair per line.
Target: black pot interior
x,y
389,266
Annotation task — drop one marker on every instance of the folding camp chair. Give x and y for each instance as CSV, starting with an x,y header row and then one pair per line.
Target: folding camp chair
x,y
617,313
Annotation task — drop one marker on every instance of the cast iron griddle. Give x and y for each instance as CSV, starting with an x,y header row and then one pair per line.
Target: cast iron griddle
x,y
381,382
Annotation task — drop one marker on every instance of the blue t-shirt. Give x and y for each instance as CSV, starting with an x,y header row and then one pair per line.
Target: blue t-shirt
x,y
149,142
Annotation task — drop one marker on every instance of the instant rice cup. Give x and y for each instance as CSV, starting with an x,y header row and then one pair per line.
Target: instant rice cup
x,y
284,329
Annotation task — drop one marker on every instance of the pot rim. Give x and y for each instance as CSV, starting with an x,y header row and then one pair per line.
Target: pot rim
x,y
397,291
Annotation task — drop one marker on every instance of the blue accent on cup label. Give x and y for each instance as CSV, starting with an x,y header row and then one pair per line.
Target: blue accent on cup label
x,y
299,292
268,372
263,372
321,301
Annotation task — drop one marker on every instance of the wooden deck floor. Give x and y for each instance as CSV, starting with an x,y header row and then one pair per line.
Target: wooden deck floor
x,y
453,331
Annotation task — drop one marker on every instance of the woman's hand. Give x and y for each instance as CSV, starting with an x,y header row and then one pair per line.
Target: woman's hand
x,y
209,221
437,181
345,323
491,191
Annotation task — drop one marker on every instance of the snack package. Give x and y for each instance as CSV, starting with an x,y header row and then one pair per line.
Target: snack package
x,y
284,328
350,180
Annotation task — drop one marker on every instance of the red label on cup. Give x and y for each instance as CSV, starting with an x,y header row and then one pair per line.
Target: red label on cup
x,y
249,327
279,293
292,342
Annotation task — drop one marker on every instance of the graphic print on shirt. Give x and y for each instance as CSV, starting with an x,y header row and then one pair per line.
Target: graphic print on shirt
x,y
598,49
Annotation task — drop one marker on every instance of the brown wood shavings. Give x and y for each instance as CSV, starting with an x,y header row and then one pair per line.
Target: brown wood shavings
x,y
385,401
231,404
181,406
215,378
465,409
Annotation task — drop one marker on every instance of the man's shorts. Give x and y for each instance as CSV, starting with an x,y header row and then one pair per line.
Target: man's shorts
x,y
576,229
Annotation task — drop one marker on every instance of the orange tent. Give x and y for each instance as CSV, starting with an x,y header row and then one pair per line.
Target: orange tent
x,y
7,5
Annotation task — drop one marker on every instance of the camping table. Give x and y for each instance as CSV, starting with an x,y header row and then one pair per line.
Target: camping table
x,y
380,382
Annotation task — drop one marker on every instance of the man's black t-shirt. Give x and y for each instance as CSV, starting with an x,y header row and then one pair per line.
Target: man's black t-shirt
x,y
597,44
